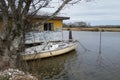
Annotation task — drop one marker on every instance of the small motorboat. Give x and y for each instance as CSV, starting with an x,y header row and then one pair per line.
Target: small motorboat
x,y
49,49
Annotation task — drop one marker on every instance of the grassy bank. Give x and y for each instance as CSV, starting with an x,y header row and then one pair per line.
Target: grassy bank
x,y
94,29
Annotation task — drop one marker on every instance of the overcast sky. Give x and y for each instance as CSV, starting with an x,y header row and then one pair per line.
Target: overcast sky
x,y
96,12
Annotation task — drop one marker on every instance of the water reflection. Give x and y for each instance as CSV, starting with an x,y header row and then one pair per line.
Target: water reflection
x,y
51,67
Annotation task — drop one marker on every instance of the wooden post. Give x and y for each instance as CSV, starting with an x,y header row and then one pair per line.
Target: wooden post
x,y
70,35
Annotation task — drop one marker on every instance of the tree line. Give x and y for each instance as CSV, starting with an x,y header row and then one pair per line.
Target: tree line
x,y
76,24
83,24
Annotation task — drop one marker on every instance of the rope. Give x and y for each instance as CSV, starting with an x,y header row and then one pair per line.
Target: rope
x,y
83,46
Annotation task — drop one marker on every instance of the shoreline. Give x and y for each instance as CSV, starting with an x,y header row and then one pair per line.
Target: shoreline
x,y
94,29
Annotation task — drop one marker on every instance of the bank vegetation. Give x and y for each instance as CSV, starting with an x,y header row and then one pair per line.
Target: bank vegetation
x,y
83,26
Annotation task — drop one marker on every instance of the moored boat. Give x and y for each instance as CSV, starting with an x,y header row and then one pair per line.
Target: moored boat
x,y
49,49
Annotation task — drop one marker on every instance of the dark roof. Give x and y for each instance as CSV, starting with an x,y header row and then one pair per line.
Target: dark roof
x,y
44,17
56,17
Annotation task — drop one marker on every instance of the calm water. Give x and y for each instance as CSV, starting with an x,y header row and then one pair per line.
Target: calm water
x,y
85,63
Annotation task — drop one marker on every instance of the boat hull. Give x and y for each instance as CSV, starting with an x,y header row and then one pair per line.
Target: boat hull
x,y
50,53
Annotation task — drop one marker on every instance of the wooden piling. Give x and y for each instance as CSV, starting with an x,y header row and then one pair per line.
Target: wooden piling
x,y
70,35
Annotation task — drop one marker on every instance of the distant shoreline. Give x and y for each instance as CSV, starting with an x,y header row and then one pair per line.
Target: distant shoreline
x,y
94,29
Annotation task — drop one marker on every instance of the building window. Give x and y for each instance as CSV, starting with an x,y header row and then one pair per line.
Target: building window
x,y
48,27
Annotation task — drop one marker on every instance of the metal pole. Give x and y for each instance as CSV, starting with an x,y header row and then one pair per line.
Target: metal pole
x,y
100,43
62,33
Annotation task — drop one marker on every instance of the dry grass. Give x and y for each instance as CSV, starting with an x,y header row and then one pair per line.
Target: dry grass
x,y
94,29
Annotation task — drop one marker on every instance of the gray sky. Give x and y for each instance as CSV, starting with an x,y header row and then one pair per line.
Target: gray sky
x,y
96,12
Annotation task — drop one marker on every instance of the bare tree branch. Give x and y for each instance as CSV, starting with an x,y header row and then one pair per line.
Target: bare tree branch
x,y
59,9
27,6
3,5
20,6
74,2
44,4
4,9
11,3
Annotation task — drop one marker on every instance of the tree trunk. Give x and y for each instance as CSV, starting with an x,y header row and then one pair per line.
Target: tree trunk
x,y
11,43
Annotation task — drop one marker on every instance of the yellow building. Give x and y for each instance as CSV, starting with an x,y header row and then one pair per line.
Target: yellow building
x,y
53,24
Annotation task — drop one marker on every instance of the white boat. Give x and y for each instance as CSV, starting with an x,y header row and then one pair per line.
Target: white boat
x,y
49,49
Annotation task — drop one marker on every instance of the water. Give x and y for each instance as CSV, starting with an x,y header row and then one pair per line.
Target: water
x,y
85,63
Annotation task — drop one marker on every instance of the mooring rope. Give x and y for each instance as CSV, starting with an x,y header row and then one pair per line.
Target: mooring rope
x,y
83,46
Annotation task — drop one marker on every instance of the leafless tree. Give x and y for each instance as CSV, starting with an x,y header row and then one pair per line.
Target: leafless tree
x,y
14,15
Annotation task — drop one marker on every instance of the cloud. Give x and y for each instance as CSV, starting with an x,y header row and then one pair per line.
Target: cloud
x,y
100,11
95,11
